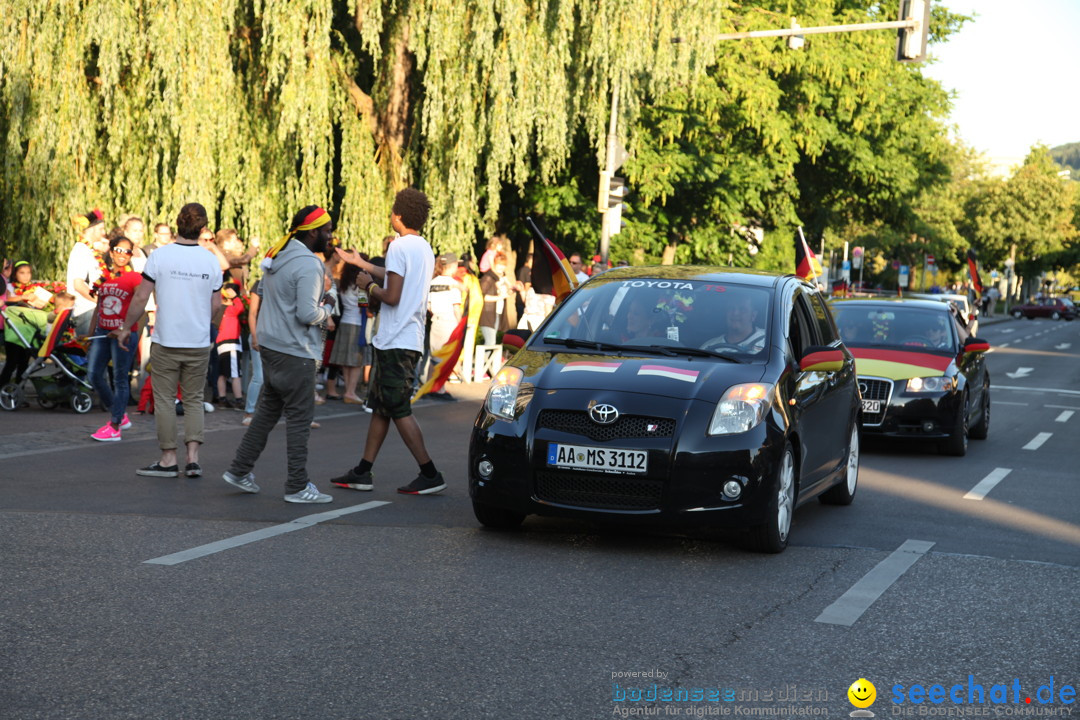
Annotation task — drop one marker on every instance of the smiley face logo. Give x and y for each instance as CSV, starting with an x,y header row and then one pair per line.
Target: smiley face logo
x,y
862,693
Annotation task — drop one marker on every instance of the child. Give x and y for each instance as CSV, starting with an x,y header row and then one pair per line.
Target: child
x,y
229,348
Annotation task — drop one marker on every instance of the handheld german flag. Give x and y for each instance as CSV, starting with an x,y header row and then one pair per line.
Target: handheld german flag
x,y
552,274
55,334
447,355
806,263
973,270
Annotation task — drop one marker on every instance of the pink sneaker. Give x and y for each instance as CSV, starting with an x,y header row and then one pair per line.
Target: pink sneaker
x,y
107,434
125,423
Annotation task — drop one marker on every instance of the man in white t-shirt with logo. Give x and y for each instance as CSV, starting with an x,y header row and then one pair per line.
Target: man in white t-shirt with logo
x,y
186,282
402,289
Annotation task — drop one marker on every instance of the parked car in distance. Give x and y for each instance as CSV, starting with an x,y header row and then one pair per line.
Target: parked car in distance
x,y
1053,308
962,302
921,374
673,395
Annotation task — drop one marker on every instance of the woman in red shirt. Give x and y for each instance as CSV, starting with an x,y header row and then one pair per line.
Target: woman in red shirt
x,y
114,293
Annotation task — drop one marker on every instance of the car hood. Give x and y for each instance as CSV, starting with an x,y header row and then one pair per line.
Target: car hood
x,y
898,364
672,377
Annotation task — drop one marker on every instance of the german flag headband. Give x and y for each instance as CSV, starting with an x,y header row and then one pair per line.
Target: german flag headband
x,y
315,219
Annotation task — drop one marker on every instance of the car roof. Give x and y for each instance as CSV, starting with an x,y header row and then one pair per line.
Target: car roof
x,y
886,302
712,273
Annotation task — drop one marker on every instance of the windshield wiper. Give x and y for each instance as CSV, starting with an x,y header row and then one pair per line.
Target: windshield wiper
x,y
590,344
673,350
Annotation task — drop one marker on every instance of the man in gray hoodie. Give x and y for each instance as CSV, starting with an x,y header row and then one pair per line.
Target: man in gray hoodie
x,y
289,332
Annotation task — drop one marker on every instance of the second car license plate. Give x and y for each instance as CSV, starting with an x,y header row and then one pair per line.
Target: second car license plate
x,y
871,406
612,460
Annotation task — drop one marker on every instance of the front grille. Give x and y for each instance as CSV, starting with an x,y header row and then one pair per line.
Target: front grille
x,y
609,492
875,389
577,422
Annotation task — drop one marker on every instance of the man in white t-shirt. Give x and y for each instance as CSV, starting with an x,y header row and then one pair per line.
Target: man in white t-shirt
x,y
399,342
186,282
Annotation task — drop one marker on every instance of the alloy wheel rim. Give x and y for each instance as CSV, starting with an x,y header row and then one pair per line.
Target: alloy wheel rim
x,y
785,499
853,462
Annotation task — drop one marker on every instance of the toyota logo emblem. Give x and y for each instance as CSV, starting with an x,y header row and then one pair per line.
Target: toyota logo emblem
x,y
603,414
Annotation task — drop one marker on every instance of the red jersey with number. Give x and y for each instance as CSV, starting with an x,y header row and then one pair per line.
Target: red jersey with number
x,y
114,299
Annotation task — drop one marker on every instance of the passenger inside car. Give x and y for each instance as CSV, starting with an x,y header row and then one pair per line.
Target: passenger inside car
x,y
742,329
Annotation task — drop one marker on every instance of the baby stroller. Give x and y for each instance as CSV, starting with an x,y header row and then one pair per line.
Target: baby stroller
x,y
67,381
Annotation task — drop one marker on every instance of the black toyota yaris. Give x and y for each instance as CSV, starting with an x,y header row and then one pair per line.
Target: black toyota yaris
x,y
673,395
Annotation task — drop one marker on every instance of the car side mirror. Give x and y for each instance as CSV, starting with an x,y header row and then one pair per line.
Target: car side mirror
x,y
975,345
818,358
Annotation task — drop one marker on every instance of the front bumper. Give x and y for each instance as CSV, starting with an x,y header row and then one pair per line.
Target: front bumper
x,y
921,415
685,476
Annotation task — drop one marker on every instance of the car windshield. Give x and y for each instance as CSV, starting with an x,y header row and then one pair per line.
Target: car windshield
x,y
658,315
895,326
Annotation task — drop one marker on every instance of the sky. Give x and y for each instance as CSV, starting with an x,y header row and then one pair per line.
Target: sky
x,y
1015,70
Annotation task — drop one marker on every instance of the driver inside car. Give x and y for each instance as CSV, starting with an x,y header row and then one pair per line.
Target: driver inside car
x,y
742,329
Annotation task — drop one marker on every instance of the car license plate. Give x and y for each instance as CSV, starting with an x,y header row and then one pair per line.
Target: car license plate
x,y
610,460
871,406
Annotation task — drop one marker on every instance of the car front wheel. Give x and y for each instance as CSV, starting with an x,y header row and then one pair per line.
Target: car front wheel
x,y
981,429
957,442
772,535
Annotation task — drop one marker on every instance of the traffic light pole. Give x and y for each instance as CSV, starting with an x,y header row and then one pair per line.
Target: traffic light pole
x,y
609,163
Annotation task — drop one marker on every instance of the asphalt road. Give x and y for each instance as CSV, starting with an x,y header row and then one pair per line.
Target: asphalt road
x,y
407,609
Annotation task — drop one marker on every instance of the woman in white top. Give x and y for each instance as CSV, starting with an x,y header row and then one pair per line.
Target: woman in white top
x,y
347,352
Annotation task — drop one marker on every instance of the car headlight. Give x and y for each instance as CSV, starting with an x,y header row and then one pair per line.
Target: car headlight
x,y
741,408
502,396
930,384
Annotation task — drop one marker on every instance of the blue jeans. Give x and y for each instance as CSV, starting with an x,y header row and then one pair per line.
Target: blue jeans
x,y
101,351
255,383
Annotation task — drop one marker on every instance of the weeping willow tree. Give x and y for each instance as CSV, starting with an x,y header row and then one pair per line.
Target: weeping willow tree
x,y
256,108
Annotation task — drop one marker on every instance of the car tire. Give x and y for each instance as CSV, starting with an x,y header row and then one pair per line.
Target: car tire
x,y
1017,314
772,535
497,518
957,442
844,493
981,429
1055,315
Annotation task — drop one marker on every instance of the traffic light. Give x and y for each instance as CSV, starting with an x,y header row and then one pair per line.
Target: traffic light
x,y
610,200
911,42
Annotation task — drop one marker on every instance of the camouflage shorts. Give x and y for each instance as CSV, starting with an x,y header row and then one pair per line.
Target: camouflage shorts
x,y
391,389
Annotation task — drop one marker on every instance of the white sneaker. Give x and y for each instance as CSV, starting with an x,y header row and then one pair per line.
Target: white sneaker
x,y
207,407
310,494
245,483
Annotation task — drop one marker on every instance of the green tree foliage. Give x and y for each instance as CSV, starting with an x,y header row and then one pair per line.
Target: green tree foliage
x,y
258,107
1068,155
1033,211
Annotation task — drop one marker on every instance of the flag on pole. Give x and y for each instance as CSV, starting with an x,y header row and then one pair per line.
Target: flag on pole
x,y
551,273
806,263
973,270
447,355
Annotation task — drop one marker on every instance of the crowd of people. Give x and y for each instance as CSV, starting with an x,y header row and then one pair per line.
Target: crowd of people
x,y
189,322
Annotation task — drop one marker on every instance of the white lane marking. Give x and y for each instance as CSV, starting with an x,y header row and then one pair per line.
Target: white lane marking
x,y
1037,441
1008,330
1063,407
1003,345
1002,402
292,526
987,484
1063,346
850,606
1028,389
1064,417
1021,372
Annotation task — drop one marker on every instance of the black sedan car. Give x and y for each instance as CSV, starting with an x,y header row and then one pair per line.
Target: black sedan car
x,y
673,395
921,375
